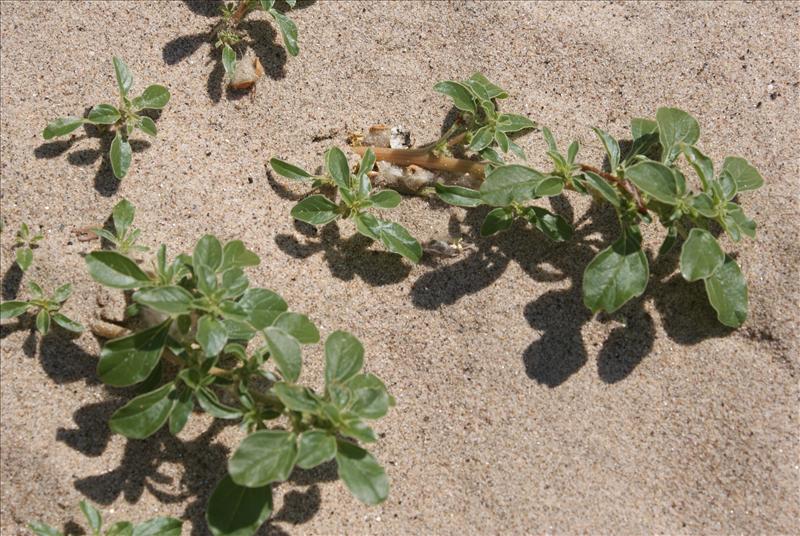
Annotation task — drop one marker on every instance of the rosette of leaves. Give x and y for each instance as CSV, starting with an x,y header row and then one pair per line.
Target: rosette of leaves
x,y
356,198
124,236
45,309
25,242
123,119
228,36
643,184
209,319
158,526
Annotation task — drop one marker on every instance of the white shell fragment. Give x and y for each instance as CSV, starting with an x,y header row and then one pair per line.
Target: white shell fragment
x,y
247,73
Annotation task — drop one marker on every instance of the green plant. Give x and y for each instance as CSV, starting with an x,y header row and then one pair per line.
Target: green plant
x,y
124,119
45,309
25,243
206,317
356,197
124,236
643,183
159,526
228,36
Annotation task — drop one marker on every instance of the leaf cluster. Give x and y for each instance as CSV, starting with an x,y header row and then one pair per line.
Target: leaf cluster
x,y
228,36
356,197
123,119
124,236
158,526
25,243
223,335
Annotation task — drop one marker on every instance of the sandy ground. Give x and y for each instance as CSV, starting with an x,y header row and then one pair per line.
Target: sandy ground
x,y
517,411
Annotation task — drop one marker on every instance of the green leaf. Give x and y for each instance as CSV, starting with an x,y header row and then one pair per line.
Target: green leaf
x,y
344,357
745,175
62,293
211,404
235,510
462,97
737,224
67,323
296,397
288,31
159,526
669,240
147,126
502,140
616,274
656,180
42,529
702,164
550,140
228,60
703,204
316,210
263,457
236,255
608,192
361,473
727,292
298,326
338,169
481,139
675,127
552,225
145,414
184,405
122,215
611,146
120,528
24,257
154,97
289,171
285,350
43,321
510,184
393,236
104,114
316,447
492,91
131,359
115,270
370,398
120,155
357,429
124,76
208,251
211,335
262,306
61,126
12,309
499,219
36,290
385,199
172,300
92,516
458,195
701,255
550,186
641,127
513,123
266,5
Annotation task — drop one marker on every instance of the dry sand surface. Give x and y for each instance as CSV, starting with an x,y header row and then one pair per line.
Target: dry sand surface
x,y
517,412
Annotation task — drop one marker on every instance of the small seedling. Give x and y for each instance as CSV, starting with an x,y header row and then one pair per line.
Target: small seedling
x,y
25,243
124,236
45,309
159,526
356,197
123,120
229,37
209,318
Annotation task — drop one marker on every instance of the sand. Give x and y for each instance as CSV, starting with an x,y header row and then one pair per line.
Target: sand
x,y
517,412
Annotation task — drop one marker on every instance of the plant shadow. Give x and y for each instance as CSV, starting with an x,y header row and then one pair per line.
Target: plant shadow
x,y
105,183
560,315
260,37
346,257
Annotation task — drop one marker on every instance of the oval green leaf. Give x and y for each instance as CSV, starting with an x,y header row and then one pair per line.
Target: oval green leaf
x,y
701,255
115,270
615,275
316,447
263,457
131,359
656,180
120,155
344,357
285,350
154,97
235,510
727,292
316,210
361,473
289,171
145,414
61,126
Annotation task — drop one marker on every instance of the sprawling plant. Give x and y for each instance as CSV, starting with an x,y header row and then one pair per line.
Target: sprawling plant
x,y
356,197
643,181
25,243
46,309
158,526
221,335
229,37
123,119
